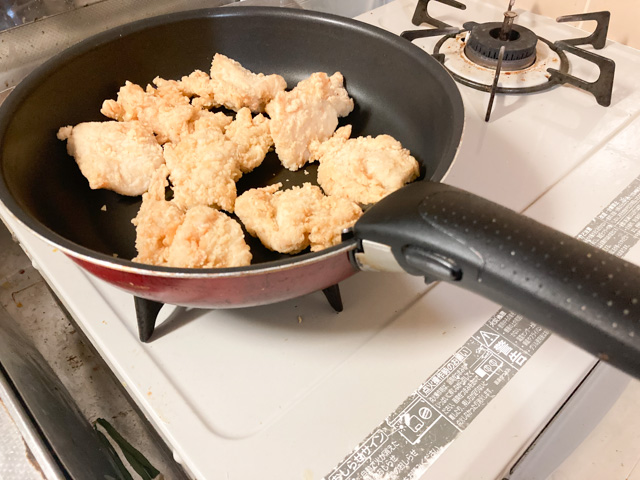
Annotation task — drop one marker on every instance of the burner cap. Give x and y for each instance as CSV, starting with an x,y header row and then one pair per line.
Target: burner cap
x,y
483,46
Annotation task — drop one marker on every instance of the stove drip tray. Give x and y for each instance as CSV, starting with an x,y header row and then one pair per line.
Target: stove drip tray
x,y
147,311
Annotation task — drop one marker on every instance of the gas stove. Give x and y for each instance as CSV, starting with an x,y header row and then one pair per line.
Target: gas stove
x,y
295,390
504,57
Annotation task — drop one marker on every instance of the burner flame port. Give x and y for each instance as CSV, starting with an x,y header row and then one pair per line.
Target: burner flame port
x,y
512,36
484,42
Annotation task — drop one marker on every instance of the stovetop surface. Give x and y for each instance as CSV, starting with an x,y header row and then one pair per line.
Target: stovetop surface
x,y
288,390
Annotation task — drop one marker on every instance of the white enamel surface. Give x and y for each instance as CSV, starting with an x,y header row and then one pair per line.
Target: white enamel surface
x,y
286,391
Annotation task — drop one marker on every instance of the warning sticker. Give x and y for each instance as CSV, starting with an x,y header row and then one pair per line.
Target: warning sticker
x,y
426,423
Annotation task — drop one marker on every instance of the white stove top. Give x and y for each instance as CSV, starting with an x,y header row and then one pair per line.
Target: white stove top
x,y
259,393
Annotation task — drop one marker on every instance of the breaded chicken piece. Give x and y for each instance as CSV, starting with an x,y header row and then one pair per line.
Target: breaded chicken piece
x,y
203,170
131,99
278,218
200,238
229,85
329,219
207,120
164,110
208,238
169,91
118,156
206,163
199,87
363,169
156,222
307,113
252,137
236,87
288,221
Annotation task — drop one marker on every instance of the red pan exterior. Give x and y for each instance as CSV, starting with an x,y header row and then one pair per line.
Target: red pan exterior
x,y
242,289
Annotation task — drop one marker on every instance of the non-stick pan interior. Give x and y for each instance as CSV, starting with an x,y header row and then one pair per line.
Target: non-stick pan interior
x,y
398,89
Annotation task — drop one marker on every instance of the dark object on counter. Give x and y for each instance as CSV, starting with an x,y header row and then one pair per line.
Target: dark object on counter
x,y
398,90
69,444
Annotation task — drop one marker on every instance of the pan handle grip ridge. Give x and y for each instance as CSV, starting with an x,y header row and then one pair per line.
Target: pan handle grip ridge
x,y
584,294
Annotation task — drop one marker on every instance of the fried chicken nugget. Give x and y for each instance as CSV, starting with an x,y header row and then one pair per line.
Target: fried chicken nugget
x,y
156,222
288,221
203,170
207,120
236,87
363,169
206,163
230,85
252,137
200,238
164,110
329,219
208,238
199,87
118,156
307,113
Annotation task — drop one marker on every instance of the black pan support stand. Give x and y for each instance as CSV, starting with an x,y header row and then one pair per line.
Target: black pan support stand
x,y
601,88
147,311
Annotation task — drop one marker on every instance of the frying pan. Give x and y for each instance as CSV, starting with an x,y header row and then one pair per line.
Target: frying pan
x,y
426,228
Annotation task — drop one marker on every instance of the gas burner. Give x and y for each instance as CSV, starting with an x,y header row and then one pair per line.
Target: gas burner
x,y
484,41
147,311
535,77
529,63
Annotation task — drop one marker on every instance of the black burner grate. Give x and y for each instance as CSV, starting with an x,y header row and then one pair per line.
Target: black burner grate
x,y
601,88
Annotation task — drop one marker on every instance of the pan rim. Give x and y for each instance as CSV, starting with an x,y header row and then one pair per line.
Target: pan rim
x,y
31,82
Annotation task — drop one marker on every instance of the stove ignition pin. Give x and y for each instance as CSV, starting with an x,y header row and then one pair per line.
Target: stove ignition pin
x,y
507,25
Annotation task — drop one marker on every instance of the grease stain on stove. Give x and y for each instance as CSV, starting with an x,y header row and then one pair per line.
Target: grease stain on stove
x,y
74,362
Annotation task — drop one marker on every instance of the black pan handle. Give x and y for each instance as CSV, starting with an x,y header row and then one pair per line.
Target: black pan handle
x,y
582,293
